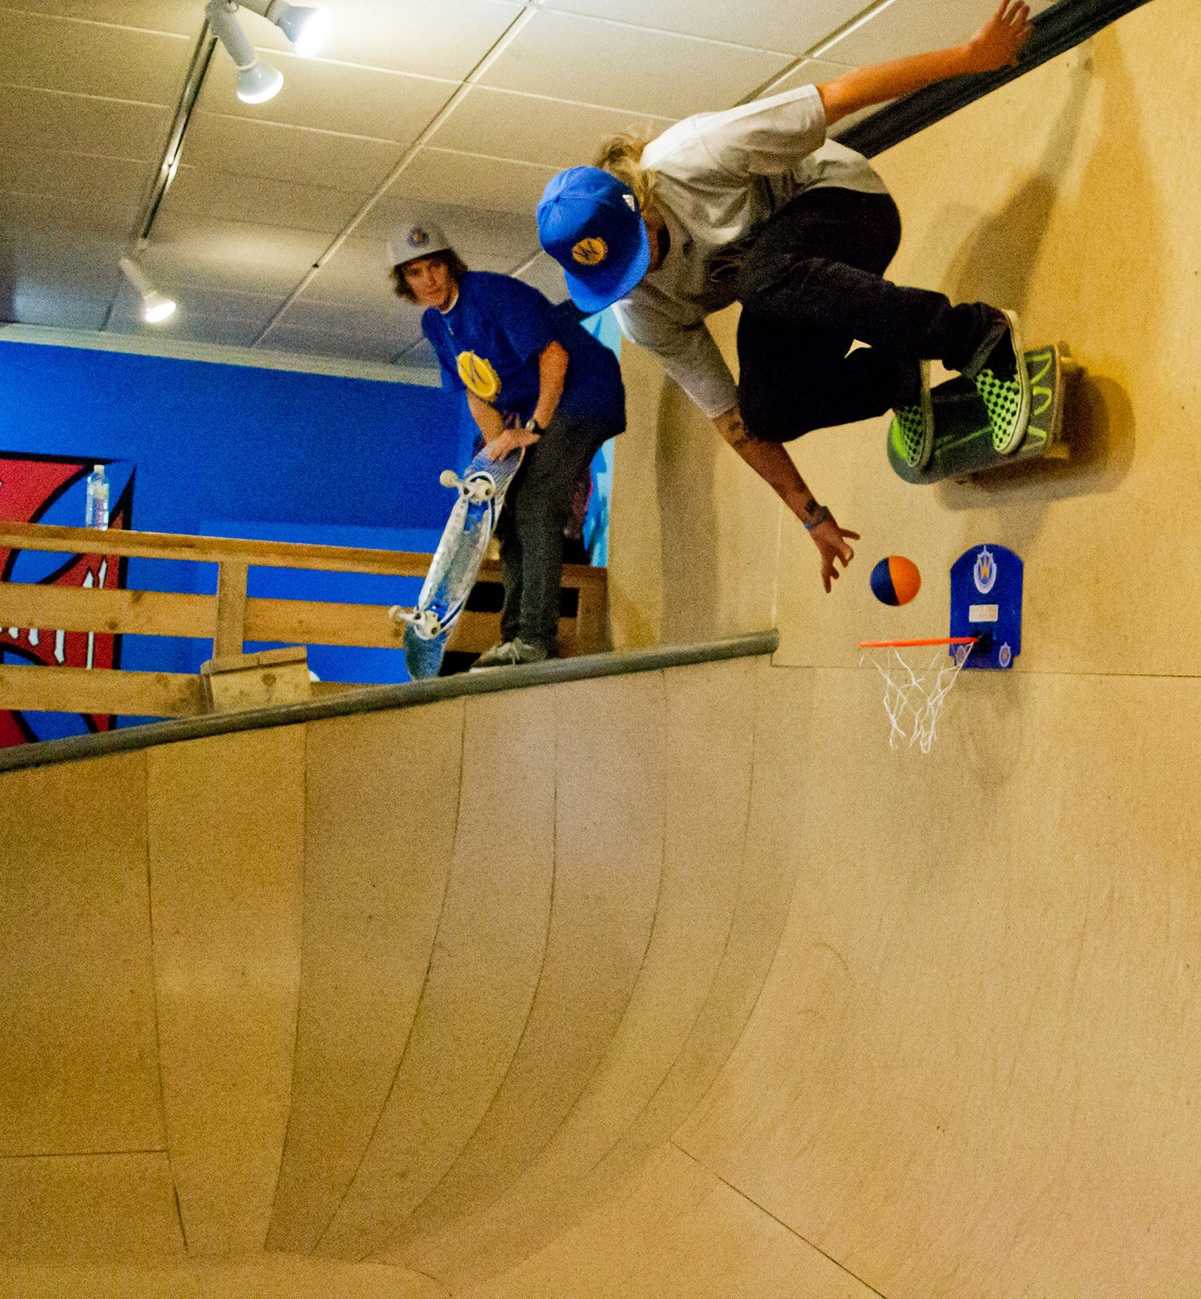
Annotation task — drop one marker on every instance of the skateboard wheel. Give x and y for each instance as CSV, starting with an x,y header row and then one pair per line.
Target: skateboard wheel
x,y
448,478
479,488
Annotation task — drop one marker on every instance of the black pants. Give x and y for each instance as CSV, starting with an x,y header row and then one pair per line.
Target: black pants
x,y
811,284
531,523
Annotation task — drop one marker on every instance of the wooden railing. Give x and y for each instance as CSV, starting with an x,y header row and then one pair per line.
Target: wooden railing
x,y
228,619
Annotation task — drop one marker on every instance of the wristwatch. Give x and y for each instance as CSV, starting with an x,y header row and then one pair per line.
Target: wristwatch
x,y
532,426
819,516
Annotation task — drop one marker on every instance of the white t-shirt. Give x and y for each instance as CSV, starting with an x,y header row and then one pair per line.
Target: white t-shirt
x,y
718,177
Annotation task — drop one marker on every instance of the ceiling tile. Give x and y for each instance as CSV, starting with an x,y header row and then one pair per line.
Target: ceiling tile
x,y
230,254
76,176
493,183
546,275
249,148
358,347
203,192
658,72
356,273
58,278
768,24
508,125
384,332
54,121
187,325
90,59
105,219
445,39
333,97
251,312
486,241
913,26
183,17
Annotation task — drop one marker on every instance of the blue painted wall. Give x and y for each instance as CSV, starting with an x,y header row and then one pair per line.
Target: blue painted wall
x,y
233,450
246,452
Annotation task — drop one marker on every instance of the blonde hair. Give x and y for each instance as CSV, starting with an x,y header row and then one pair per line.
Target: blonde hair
x,y
621,156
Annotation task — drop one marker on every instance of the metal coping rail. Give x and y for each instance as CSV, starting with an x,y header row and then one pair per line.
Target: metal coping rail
x,y
371,699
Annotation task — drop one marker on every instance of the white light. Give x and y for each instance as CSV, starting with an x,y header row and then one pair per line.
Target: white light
x,y
304,26
259,82
156,306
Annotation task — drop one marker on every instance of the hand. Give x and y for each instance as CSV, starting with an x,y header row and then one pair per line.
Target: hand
x,y
999,42
512,438
830,540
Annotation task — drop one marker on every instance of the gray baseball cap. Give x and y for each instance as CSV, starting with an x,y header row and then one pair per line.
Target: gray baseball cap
x,y
413,239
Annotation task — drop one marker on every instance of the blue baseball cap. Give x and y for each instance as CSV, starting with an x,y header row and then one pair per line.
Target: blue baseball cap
x,y
590,224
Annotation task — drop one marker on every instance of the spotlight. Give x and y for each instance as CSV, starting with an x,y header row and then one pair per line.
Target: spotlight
x,y
156,307
304,26
257,82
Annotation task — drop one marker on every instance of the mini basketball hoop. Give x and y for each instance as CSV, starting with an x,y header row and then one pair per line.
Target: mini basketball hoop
x,y
916,684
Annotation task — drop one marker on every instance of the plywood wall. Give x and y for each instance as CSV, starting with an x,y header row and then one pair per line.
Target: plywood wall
x,y
410,991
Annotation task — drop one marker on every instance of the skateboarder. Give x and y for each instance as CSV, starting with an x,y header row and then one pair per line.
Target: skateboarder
x,y
532,379
754,205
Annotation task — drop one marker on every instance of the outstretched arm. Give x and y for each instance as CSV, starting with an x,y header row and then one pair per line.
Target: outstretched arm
x,y
774,465
996,44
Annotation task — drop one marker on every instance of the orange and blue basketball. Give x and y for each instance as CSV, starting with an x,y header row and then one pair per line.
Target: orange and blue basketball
x,y
895,580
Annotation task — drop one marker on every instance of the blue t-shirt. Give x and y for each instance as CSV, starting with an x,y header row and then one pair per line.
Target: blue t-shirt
x,y
490,341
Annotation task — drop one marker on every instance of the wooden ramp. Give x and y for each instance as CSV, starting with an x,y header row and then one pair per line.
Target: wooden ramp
x,y
418,987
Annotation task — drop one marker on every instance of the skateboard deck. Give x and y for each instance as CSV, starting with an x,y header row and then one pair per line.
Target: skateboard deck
x,y
963,434
456,562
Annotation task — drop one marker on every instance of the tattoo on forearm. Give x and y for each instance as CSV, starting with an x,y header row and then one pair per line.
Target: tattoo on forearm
x,y
737,435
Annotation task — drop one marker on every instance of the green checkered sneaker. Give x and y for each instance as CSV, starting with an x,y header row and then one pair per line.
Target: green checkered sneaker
x,y
912,428
1008,404
912,435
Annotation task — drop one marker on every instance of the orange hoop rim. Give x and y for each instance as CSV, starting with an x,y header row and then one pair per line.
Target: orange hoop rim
x,y
923,640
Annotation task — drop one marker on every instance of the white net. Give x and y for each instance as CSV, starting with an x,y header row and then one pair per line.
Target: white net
x,y
917,680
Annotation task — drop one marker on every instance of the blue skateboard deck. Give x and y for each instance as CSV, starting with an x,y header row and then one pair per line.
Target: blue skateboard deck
x,y
456,562
963,434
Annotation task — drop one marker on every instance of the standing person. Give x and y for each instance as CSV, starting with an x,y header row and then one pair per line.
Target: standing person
x,y
755,205
532,379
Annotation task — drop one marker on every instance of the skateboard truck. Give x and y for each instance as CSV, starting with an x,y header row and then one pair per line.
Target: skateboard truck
x,y
475,488
424,622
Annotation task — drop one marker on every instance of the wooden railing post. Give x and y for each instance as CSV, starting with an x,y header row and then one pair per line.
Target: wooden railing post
x,y
231,609
590,618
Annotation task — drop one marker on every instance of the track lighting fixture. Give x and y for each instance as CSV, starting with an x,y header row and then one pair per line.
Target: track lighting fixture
x,y
156,307
304,26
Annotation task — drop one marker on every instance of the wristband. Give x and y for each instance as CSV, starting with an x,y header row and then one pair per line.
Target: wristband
x,y
820,515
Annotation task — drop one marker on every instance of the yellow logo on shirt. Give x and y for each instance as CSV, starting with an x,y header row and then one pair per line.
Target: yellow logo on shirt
x,y
590,251
479,376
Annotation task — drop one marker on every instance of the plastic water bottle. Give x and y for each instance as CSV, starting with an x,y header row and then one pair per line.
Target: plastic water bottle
x,y
97,502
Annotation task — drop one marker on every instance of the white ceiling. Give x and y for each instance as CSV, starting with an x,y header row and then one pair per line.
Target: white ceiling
x,y
272,235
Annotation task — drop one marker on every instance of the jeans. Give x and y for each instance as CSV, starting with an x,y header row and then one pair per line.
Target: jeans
x,y
811,285
531,523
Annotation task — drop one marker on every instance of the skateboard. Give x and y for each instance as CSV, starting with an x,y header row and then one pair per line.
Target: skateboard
x,y
963,435
456,562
